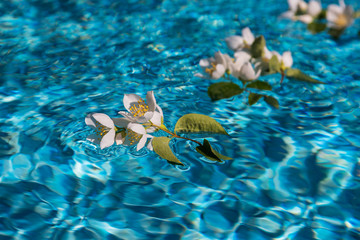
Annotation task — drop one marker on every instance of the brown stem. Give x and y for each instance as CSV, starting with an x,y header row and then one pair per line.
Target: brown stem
x,y
174,134
282,77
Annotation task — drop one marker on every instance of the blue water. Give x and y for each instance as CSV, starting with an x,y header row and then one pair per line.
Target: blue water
x,y
296,170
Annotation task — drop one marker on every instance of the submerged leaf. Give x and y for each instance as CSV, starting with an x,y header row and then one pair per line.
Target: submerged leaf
x,y
259,85
223,90
162,148
272,101
274,65
198,123
293,73
257,48
336,33
316,27
254,98
207,151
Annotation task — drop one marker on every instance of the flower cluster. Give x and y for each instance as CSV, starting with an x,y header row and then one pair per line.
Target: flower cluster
x,y
338,17
140,119
247,64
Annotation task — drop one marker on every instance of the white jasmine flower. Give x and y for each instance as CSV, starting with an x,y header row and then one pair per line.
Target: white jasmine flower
x,y
157,119
104,128
286,60
138,110
214,67
134,134
339,16
302,11
236,43
245,71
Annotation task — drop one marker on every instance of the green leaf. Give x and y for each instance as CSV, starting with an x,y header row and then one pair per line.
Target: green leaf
x,y
296,74
274,65
207,151
257,48
316,27
259,85
198,123
272,101
162,148
336,33
223,90
322,15
254,98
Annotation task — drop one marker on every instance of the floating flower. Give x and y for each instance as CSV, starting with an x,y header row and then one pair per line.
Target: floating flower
x,y
286,60
133,134
138,110
214,67
339,16
236,43
157,120
245,71
302,11
104,128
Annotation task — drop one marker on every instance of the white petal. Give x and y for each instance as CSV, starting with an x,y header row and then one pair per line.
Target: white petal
x,y
342,3
248,36
147,116
138,128
119,139
150,100
108,139
141,143
220,58
293,5
219,72
335,9
242,55
128,116
287,59
130,99
267,53
204,62
94,138
247,72
150,146
156,118
121,122
314,8
103,119
305,18
90,121
234,42
287,14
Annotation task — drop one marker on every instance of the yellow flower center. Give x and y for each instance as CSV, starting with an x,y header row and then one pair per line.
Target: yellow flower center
x,y
132,137
139,109
211,69
341,21
101,130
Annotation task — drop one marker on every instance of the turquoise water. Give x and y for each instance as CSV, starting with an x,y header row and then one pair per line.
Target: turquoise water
x,y
295,173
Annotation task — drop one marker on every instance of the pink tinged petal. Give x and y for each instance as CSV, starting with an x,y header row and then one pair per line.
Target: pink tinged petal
x,y
138,128
103,119
248,36
151,101
234,42
219,72
287,59
130,99
121,122
141,143
108,139
305,18
119,139
94,138
314,8
247,71
90,121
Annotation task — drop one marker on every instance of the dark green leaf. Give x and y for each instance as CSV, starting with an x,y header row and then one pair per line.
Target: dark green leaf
x,y
336,33
274,65
223,90
254,98
162,148
322,15
198,123
259,85
272,101
316,27
296,74
210,153
257,48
